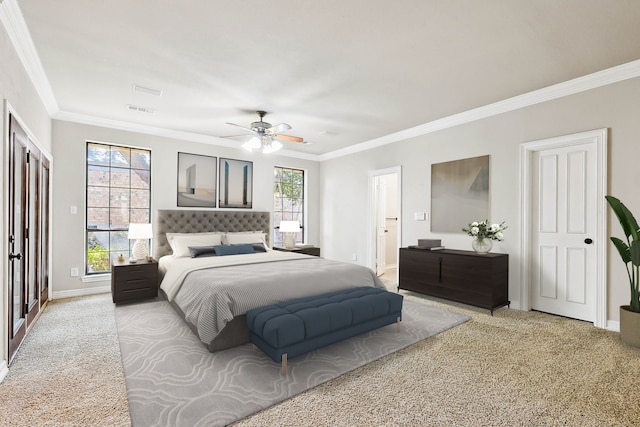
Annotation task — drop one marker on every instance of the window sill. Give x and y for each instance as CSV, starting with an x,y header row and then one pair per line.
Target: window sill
x,y
96,278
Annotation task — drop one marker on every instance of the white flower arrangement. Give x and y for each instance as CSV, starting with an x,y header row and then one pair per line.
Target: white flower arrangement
x,y
484,230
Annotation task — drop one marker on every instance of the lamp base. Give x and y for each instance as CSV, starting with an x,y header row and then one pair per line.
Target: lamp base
x,y
140,249
289,240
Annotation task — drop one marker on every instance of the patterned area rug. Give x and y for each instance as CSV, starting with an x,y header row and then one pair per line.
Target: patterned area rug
x,y
172,380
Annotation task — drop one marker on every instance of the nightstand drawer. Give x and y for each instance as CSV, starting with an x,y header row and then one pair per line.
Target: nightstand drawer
x,y
137,294
136,271
130,284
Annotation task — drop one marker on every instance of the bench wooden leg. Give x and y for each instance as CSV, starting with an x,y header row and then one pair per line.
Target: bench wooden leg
x,y
398,323
284,364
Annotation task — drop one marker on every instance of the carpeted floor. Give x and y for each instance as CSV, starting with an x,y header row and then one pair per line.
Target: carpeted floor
x,y
68,370
513,369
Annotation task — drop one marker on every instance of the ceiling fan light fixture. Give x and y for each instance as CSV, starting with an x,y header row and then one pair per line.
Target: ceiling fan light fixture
x,y
252,144
266,136
271,146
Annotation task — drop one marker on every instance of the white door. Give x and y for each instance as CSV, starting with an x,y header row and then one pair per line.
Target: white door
x,y
381,226
564,230
385,196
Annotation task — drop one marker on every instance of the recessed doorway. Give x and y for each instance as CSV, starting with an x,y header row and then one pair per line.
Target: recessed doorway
x,y
385,219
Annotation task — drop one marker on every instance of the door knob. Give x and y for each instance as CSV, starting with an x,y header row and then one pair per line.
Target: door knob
x,y
588,241
14,256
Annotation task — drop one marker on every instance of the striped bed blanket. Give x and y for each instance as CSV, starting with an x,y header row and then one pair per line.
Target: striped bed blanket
x,y
211,292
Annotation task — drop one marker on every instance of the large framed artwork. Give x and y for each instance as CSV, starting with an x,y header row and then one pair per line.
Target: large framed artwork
x,y
236,184
459,193
197,180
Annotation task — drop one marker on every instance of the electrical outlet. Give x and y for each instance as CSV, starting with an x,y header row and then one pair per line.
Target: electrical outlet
x,y
74,272
73,210
354,257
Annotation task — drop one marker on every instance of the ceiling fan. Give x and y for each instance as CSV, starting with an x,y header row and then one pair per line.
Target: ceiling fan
x,y
265,136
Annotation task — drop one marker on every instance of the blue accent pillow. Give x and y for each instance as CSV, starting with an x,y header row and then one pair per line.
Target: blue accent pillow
x,y
259,247
202,251
222,250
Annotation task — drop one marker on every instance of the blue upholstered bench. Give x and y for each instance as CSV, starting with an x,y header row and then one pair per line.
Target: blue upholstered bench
x,y
291,328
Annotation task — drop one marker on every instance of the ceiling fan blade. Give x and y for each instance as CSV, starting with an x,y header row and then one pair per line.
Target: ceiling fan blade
x,y
237,136
288,138
279,128
245,128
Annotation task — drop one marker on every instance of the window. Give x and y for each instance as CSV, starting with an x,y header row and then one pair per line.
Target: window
x,y
288,200
118,192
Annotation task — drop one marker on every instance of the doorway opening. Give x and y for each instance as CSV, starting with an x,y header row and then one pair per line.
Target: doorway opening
x,y
385,231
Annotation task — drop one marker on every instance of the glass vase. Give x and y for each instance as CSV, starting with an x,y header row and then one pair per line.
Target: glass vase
x,y
481,246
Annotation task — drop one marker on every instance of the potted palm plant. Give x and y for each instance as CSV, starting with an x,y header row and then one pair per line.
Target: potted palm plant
x,y
629,251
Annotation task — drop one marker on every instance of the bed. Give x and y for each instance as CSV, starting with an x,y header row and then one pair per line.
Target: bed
x,y
213,293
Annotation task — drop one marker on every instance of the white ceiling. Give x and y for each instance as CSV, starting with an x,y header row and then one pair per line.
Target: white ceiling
x,y
340,72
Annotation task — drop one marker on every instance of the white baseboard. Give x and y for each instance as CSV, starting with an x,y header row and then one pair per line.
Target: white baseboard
x,y
613,325
4,370
80,292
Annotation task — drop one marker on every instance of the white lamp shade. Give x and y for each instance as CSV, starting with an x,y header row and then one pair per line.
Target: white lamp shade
x,y
252,144
140,231
271,147
289,226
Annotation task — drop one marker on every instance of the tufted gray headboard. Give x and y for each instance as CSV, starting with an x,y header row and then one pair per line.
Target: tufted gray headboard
x,y
187,221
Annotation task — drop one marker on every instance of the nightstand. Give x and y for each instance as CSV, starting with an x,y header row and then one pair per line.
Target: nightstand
x,y
309,250
134,281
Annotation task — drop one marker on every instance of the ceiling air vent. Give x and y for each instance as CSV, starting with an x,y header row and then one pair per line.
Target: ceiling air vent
x,y
148,91
141,109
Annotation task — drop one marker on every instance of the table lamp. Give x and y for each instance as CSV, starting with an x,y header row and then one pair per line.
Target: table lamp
x,y
289,228
140,233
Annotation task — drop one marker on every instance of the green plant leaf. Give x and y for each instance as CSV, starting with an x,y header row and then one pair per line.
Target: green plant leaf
x,y
625,217
635,252
623,249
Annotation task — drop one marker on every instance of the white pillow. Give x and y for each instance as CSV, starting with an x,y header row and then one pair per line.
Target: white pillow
x,y
243,237
180,242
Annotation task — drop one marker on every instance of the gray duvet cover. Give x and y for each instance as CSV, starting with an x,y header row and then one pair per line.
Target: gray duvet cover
x,y
210,298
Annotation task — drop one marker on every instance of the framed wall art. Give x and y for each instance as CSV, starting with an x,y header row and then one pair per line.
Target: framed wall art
x,y
197,180
459,193
236,184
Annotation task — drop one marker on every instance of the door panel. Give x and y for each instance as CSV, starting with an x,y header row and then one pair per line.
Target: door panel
x,y
564,215
381,225
17,225
32,249
44,235
28,233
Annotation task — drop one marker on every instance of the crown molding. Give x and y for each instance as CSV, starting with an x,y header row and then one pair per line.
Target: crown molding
x,y
595,80
570,87
165,133
16,27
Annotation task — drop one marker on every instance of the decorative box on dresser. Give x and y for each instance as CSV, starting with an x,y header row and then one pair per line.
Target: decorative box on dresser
x,y
461,276
134,281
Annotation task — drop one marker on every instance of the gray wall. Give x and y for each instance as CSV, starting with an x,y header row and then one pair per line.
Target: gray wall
x,y
69,188
344,181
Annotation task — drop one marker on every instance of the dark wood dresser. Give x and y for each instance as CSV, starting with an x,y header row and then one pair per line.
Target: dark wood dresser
x,y
461,276
130,282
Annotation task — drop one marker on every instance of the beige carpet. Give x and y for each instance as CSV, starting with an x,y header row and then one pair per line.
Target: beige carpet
x,y
68,370
513,369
